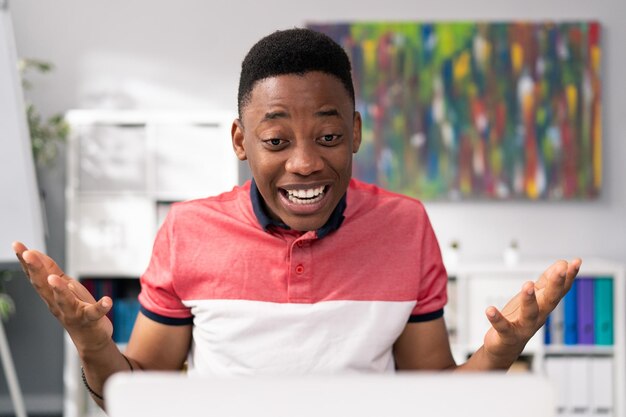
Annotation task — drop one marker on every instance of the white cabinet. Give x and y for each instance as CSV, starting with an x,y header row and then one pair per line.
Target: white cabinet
x,y
589,375
113,235
187,161
124,170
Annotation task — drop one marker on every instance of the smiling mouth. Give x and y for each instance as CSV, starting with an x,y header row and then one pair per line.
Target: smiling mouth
x,y
305,195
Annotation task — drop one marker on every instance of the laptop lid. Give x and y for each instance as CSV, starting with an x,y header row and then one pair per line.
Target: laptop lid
x,y
370,395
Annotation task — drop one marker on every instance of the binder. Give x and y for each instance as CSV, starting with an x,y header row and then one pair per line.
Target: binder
x,y
585,318
578,387
547,334
556,368
601,386
569,315
556,324
126,311
603,310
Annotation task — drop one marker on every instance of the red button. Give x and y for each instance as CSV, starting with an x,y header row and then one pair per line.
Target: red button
x,y
299,269
299,243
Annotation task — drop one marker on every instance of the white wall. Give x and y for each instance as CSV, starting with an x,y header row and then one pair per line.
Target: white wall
x,y
183,54
187,53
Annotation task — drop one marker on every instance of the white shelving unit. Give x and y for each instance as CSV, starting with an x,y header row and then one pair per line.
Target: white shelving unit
x,y
473,287
124,169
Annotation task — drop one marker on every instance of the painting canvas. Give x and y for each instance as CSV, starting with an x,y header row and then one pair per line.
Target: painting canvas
x,y
477,110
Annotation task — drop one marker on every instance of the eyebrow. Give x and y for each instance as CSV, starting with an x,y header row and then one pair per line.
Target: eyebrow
x,y
328,113
276,115
285,115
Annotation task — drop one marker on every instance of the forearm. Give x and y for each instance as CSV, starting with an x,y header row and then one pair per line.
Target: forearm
x,y
482,360
99,364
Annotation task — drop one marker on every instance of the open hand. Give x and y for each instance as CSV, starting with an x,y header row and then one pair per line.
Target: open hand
x,y
69,301
525,313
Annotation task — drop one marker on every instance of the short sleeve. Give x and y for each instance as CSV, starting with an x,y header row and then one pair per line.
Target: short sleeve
x,y
432,294
158,298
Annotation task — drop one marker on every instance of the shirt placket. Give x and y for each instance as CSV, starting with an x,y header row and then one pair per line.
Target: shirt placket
x,y
300,283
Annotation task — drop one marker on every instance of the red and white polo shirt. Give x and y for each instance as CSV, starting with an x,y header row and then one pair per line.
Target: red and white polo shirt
x,y
267,300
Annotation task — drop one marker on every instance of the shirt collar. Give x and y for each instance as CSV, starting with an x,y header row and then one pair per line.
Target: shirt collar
x,y
332,224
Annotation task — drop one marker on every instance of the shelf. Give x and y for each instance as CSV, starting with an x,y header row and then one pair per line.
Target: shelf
x,y
575,369
578,350
124,168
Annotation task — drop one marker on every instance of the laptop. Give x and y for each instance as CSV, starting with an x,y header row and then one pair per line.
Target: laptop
x,y
157,394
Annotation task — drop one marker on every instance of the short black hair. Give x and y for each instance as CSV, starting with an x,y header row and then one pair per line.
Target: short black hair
x,y
293,51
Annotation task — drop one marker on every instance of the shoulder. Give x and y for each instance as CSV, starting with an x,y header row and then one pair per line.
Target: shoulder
x,y
231,203
369,197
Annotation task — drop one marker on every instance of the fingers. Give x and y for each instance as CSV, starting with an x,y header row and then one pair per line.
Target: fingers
x,y
73,309
37,267
521,321
98,310
38,276
68,300
40,263
527,311
35,261
81,292
555,287
559,282
63,299
572,270
555,268
498,321
19,248
529,307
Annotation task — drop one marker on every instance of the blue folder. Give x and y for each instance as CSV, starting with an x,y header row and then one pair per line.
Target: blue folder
x,y
547,335
570,334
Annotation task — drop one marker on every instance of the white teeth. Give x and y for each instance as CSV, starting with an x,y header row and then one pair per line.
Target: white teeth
x,y
309,193
308,196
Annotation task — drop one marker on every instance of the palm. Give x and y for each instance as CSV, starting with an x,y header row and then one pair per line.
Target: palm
x,y
68,300
527,311
84,301
521,329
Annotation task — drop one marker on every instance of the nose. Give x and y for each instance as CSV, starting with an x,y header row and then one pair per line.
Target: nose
x,y
304,160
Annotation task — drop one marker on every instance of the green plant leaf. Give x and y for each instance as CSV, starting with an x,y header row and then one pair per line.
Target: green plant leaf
x,y
46,136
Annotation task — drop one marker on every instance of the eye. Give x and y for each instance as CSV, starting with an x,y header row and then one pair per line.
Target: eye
x,y
275,143
330,139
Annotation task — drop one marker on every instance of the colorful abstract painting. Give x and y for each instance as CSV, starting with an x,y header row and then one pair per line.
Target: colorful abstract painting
x,y
466,110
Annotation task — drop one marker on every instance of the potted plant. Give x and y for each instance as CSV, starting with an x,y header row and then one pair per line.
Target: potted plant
x,y
45,134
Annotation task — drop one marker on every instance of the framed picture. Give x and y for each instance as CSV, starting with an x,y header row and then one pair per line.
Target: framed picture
x,y
478,110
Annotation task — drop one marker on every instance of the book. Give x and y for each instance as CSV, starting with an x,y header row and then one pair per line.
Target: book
x,y
556,325
570,332
578,389
603,311
585,317
601,386
126,310
557,370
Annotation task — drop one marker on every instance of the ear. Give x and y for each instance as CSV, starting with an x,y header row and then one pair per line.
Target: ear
x,y
356,133
236,133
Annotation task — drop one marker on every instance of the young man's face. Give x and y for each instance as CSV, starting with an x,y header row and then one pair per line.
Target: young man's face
x,y
298,133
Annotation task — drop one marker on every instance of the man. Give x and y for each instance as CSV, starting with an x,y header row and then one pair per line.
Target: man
x,y
301,270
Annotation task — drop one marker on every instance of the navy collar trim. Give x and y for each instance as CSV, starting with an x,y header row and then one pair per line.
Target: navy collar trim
x,y
332,224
